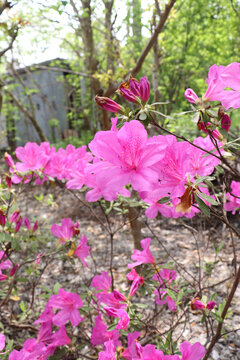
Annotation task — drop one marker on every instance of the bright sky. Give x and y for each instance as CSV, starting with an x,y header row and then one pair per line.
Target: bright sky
x,y
31,51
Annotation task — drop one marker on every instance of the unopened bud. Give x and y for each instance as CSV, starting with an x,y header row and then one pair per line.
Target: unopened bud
x,y
8,181
144,89
108,104
8,159
225,122
191,96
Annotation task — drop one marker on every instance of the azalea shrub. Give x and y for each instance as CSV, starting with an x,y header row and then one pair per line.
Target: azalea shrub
x,y
166,175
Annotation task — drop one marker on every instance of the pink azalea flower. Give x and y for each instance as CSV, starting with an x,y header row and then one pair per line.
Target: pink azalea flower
x,y
165,278
119,313
2,342
142,257
233,203
102,282
82,251
131,351
215,83
128,156
69,303
192,352
119,296
109,351
65,231
59,338
4,264
33,350
100,334
137,280
32,156
230,77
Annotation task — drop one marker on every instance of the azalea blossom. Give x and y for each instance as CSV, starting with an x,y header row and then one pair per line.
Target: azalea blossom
x,y
100,334
142,257
68,303
82,251
65,231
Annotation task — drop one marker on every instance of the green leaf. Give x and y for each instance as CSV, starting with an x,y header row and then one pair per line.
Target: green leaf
x,y
212,113
208,198
56,287
5,237
172,294
223,132
203,207
195,118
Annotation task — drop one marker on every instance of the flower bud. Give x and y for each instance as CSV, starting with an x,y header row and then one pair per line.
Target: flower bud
x,y
3,277
27,223
211,305
14,217
134,86
191,96
225,122
38,259
119,296
18,224
8,181
13,270
196,304
126,93
2,218
144,89
108,104
35,226
9,161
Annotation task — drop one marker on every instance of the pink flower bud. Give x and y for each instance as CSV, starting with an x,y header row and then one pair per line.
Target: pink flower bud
x,y
18,224
8,181
13,270
27,223
197,304
134,86
211,305
144,89
119,296
9,161
225,122
215,133
3,277
108,104
35,226
38,259
126,93
191,96
2,218
14,217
